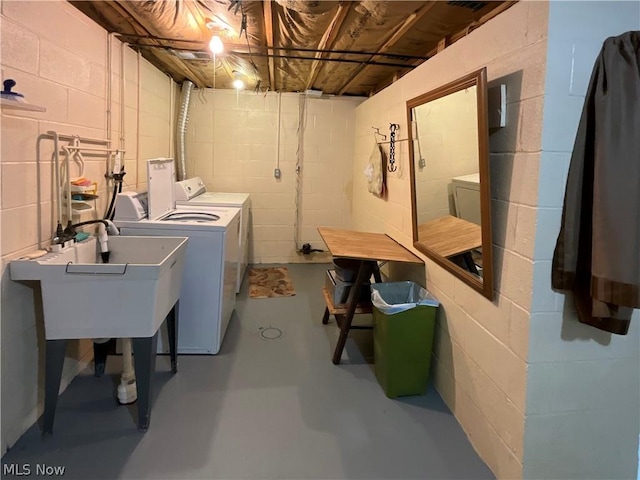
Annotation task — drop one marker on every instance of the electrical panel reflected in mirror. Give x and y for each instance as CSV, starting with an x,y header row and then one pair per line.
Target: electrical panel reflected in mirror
x,y
450,179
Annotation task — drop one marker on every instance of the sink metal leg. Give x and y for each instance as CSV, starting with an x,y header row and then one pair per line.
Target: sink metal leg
x,y
55,351
172,327
144,351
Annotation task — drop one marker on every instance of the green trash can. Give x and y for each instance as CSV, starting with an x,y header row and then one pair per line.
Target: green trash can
x,y
404,316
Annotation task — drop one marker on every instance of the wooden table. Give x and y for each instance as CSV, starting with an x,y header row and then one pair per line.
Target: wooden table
x,y
449,236
369,248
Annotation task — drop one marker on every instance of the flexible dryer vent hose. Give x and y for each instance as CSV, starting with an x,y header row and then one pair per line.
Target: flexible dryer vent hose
x,y
183,120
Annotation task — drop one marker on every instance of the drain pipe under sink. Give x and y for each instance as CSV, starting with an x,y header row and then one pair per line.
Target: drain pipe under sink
x,y
127,391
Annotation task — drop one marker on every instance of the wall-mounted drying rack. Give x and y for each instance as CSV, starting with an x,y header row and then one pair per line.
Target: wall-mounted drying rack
x,y
397,140
81,191
76,146
93,149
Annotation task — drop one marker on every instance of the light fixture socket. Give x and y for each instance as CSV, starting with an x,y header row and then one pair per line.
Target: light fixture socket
x,y
238,82
215,45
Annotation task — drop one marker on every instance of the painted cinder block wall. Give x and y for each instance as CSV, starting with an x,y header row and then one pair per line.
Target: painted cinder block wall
x,y
583,397
534,390
481,347
232,143
63,69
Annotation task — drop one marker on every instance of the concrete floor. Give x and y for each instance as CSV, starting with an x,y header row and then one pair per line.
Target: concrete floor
x,y
261,409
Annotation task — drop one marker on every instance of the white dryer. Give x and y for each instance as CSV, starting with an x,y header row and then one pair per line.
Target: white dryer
x,y
207,296
194,192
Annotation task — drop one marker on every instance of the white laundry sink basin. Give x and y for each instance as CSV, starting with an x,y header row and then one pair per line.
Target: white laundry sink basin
x,y
127,298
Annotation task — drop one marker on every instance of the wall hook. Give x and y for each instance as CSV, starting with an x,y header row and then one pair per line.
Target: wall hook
x,y
377,132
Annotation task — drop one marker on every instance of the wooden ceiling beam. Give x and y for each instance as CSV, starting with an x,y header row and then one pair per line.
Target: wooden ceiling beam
x,y
178,64
450,39
227,68
328,39
409,22
472,26
268,32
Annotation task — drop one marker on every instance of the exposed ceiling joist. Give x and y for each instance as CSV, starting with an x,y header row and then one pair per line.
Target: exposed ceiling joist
x,y
397,35
335,46
180,66
268,30
476,23
328,39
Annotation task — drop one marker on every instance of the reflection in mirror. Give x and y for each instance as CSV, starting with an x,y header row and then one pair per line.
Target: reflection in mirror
x,y
450,186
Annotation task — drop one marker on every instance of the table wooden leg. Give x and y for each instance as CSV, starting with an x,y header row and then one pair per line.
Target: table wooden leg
x,y
325,317
376,273
470,264
364,272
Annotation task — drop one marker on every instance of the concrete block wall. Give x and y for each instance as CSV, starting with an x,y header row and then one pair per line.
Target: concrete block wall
x,y
232,143
63,69
481,350
583,384
153,131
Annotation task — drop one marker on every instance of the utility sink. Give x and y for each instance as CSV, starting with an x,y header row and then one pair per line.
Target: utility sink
x,y
129,297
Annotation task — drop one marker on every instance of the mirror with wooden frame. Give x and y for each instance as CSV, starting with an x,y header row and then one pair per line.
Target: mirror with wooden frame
x,y
450,191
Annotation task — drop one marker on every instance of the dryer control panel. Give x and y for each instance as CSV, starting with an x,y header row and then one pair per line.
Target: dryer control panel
x,y
189,188
131,206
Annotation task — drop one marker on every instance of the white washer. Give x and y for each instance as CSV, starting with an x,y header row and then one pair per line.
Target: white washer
x,y
194,192
207,295
466,197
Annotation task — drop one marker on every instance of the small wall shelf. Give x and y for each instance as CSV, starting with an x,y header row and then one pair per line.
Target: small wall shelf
x,y
21,106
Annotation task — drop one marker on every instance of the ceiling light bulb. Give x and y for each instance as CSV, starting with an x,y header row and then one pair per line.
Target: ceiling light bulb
x,y
215,45
238,84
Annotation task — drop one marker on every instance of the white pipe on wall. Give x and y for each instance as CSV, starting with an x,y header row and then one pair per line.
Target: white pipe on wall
x,y
123,86
278,139
109,86
138,121
171,117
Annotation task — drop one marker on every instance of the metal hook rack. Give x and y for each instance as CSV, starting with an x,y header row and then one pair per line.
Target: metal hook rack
x,y
392,147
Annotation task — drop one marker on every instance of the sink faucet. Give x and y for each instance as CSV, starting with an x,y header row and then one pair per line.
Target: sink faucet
x,y
105,227
108,224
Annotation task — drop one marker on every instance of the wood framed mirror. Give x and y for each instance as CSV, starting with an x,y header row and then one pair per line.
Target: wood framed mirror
x,y
450,191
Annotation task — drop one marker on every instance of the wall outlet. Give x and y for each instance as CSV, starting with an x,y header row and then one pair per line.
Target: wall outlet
x,y
276,173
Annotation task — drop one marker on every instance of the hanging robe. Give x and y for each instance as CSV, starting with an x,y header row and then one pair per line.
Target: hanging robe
x,y
597,254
